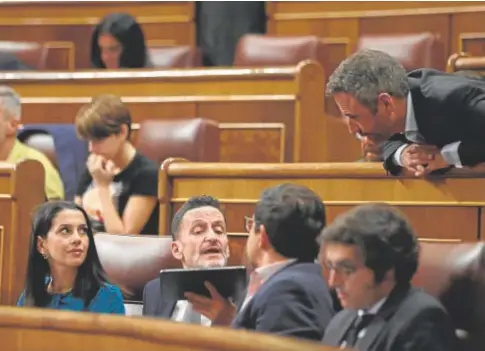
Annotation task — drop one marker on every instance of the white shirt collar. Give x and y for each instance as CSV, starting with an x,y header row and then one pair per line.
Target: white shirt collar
x,y
411,124
374,309
265,272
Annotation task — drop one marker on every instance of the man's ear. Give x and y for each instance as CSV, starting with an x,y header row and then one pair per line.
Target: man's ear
x,y
389,276
386,100
12,126
177,250
264,242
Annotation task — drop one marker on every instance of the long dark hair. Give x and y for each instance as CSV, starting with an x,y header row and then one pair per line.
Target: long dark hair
x,y
90,275
124,28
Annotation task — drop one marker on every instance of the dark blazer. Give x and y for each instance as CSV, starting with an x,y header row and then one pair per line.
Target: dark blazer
x,y
158,303
295,301
448,108
409,320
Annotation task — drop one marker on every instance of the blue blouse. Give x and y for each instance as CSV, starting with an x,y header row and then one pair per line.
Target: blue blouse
x,y
109,299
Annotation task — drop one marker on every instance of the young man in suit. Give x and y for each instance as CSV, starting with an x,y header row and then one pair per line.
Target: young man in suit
x,y
371,254
427,120
287,294
199,241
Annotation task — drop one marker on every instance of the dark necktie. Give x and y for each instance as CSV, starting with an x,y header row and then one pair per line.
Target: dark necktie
x,y
360,323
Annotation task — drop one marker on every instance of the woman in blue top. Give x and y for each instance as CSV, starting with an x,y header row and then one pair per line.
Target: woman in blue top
x,y
63,270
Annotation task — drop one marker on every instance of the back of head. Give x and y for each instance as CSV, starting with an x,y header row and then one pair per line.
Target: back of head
x,y
126,30
382,235
102,117
293,217
366,74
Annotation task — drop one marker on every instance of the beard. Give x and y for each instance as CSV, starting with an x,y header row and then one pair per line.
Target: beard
x,y
202,262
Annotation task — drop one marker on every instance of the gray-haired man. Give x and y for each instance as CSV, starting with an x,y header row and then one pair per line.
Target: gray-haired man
x,y
426,119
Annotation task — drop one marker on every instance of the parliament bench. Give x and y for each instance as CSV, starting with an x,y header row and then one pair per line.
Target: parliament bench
x,y
459,25
465,62
448,207
21,191
265,114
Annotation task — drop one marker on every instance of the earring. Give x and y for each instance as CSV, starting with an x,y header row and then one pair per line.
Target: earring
x,y
45,255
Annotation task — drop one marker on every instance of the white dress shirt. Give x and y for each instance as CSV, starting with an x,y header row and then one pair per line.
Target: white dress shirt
x,y
184,312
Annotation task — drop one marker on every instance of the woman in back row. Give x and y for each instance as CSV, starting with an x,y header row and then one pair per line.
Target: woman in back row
x,y
63,270
118,42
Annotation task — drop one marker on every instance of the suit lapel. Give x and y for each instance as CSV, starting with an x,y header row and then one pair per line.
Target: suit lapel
x,y
241,314
336,336
379,323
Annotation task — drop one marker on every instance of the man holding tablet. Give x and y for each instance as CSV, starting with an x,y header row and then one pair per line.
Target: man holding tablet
x,y
287,294
199,241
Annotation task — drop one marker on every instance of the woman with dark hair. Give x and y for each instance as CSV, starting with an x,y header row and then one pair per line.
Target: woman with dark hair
x,y
118,42
63,270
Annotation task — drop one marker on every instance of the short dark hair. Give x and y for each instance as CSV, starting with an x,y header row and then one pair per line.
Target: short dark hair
x,y
102,117
193,203
293,216
90,275
383,236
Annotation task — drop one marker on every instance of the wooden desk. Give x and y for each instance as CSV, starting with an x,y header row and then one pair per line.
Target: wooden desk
x,y
266,114
21,190
446,208
68,25
28,329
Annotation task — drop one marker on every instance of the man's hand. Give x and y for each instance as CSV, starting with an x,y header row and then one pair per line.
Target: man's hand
x,y
219,310
371,149
415,158
437,163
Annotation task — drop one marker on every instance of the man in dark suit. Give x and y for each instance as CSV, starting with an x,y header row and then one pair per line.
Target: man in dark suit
x,y
287,294
371,254
199,241
428,120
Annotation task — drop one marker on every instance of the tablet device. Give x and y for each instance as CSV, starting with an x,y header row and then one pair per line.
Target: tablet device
x,y
230,282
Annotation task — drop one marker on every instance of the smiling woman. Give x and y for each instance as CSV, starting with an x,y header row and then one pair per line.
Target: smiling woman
x,y
63,269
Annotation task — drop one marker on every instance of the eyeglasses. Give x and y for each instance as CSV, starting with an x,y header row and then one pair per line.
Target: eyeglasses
x,y
341,268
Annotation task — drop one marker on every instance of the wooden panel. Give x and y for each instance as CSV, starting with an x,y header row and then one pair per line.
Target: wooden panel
x,y
264,142
73,22
27,329
473,43
291,97
60,55
446,208
467,33
21,190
